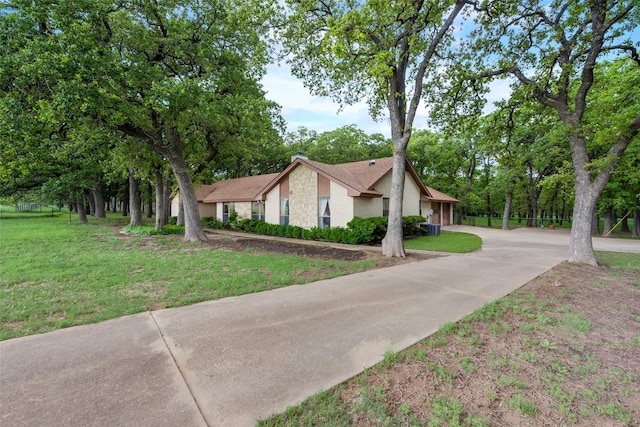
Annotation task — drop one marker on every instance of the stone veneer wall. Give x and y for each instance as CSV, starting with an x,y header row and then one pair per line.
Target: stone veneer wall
x,y
243,209
303,197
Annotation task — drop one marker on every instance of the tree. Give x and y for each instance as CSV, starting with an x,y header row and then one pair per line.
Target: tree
x,y
187,80
342,145
554,48
180,75
374,51
449,163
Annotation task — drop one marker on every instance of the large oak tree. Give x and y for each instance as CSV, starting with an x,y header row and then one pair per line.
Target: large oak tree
x,y
180,75
553,48
381,52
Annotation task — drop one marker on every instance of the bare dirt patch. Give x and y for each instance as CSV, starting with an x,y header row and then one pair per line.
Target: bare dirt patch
x,y
242,243
323,251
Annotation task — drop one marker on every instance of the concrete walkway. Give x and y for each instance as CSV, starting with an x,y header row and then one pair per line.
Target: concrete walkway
x,y
232,361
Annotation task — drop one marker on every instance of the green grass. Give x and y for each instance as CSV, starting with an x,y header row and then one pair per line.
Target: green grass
x,y
10,212
447,241
482,221
618,260
54,275
496,223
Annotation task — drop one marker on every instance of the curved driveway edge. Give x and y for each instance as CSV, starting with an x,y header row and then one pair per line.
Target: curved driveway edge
x,y
231,361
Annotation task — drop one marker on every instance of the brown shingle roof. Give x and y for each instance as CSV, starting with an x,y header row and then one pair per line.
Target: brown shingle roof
x,y
238,190
203,191
439,196
359,178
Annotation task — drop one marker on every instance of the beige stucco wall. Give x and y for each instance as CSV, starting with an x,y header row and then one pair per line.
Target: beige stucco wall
x,y
411,200
272,206
204,209
175,205
365,207
425,210
303,197
207,209
341,205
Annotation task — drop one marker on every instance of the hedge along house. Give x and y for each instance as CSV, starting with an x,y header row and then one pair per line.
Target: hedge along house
x,y
314,194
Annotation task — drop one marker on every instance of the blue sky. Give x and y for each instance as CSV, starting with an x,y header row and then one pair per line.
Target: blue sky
x,y
300,108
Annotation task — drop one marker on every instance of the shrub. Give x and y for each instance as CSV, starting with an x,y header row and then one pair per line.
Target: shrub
x,y
211,222
359,230
172,220
411,225
150,230
247,224
367,230
293,231
172,229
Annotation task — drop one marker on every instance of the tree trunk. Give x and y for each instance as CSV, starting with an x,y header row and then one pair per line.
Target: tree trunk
x,y
580,243
98,201
125,199
161,212
82,213
625,225
460,214
636,224
134,200
507,210
595,224
149,199
180,218
193,230
608,221
393,244
91,202
167,194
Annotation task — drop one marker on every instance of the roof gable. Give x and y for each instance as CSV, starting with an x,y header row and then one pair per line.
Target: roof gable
x,y
359,178
239,189
202,191
438,196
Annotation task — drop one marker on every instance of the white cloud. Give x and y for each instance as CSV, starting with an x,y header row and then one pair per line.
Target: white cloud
x,y
300,108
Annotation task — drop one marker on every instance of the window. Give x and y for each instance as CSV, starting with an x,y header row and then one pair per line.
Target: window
x,y
385,206
284,211
227,211
324,213
257,210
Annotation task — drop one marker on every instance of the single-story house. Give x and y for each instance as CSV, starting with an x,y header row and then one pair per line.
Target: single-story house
x,y
314,194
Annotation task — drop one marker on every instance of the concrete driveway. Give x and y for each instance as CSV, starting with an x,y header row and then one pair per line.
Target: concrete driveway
x,y
232,361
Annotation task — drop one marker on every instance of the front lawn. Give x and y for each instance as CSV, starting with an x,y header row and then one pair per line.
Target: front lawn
x,y
55,275
447,241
